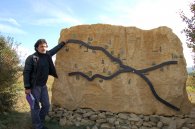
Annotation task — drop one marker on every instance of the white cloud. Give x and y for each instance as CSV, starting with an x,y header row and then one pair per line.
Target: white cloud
x,y
56,20
10,20
145,14
10,29
23,53
53,13
13,21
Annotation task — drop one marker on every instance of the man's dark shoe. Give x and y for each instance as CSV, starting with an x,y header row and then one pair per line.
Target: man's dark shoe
x,y
44,127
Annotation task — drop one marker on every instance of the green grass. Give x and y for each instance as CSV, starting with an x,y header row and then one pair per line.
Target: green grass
x,y
22,120
55,125
15,120
190,89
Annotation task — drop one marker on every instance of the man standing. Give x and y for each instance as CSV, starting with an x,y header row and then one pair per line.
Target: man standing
x,y
35,75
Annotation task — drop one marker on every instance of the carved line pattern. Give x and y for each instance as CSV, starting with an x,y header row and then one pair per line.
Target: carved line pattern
x,y
124,69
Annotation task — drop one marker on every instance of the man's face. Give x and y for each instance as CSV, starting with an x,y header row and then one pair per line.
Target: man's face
x,y
42,48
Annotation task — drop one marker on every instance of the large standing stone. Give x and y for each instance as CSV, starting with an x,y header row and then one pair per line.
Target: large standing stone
x,y
127,92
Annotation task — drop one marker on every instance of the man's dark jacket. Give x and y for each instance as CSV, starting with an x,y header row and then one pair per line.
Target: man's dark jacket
x,y
31,69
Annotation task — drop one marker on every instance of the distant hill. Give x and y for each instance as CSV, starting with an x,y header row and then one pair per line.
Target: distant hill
x,y
190,69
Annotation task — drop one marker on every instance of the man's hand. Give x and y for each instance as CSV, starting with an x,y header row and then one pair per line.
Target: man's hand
x,y
27,91
64,42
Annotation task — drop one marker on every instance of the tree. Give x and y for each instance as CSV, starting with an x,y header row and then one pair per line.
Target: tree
x,y
9,68
190,29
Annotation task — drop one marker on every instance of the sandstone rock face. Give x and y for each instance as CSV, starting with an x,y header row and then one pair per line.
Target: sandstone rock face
x,y
126,92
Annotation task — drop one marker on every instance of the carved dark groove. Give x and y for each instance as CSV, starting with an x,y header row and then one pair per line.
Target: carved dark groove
x,y
124,69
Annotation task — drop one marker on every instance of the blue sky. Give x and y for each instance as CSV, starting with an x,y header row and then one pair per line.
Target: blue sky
x,y
28,20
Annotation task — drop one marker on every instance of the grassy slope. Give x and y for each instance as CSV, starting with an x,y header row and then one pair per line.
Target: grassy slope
x,y
20,118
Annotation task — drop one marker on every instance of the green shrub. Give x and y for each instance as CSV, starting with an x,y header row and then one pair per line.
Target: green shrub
x,y
191,81
9,67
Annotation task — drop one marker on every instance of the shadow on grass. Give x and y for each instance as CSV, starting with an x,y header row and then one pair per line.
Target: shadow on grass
x,y
55,125
15,120
22,120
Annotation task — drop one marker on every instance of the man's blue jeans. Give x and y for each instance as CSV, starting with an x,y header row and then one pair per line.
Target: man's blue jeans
x,y
38,114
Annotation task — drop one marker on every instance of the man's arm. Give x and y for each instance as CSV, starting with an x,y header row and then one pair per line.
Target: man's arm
x,y
28,68
54,50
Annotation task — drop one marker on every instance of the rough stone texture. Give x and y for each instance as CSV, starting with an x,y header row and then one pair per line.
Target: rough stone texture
x,y
127,92
110,120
